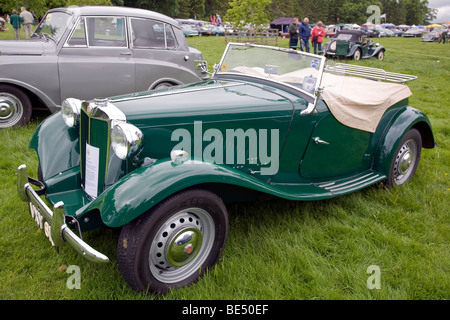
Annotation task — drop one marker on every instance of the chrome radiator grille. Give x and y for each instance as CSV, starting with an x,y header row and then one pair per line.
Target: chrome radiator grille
x,y
94,135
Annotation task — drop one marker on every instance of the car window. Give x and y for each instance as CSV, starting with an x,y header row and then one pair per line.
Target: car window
x,y
79,35
148,33
106,31
345,37
53,25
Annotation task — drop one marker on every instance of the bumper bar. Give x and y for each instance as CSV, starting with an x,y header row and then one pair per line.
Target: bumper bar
x,y
58,233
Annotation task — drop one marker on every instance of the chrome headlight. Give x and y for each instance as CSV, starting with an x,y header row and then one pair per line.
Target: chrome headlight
x,y
70,111
126,139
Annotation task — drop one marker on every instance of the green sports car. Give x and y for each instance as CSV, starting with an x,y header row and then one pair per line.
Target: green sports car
x,y
162,165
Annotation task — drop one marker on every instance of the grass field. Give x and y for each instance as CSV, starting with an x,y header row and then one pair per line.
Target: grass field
x,y
279,249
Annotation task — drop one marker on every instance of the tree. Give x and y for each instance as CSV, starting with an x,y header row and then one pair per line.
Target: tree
x,y
88,3
191,9
243,12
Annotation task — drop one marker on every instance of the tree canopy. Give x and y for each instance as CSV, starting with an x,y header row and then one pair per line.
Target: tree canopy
x,y
257,11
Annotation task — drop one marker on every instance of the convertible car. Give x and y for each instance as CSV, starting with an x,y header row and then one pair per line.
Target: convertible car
x,y
161,165
353,44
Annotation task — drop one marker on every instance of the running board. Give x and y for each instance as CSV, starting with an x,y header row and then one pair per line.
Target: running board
x,y
355,183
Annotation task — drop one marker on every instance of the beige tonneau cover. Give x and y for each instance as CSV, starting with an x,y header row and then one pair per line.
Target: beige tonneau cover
x,y
359,102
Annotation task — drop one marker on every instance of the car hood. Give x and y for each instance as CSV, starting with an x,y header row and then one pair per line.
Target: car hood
x,y
26,47
210,100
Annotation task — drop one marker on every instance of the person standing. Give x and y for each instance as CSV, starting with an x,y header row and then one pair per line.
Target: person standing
x,y
305,34
16,21
293,33
317,36
27,22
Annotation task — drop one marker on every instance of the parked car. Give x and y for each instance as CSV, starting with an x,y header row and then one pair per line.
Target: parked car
x,y
413,32
205,30
188,31
370,33
432,36
87,52
353,44
162,165
386,33
397,32
218,31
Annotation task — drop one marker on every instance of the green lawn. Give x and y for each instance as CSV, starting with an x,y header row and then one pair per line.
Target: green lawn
x,y
277,249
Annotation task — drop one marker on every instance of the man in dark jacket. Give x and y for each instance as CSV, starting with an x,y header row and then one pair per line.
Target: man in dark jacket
x,y
305,34
16,21
293,33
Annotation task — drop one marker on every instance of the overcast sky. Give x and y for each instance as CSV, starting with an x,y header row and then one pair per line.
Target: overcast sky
x,y
444,9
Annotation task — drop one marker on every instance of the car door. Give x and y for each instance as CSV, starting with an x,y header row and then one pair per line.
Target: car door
x,y
335,150
96,60
158,58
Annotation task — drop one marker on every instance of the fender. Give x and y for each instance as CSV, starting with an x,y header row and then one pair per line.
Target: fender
x,y
403,121
145,187
54,138
353,50
48,102
377,50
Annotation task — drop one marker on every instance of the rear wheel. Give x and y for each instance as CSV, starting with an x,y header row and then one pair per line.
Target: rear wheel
x,y
406,160
174,243
15,106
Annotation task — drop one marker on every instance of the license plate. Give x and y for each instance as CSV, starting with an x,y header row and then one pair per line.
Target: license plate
x,y
41,222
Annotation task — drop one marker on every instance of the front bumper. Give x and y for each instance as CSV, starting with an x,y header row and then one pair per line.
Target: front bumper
x,y
53,222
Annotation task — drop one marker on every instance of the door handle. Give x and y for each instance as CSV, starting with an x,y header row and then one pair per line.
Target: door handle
x,y
317,140
127,53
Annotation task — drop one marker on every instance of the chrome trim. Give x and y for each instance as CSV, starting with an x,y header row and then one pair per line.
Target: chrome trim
x,y
103,109
60,233
175,90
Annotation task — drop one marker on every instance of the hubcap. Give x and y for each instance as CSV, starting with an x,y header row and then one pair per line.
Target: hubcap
x,y
405,161
11,109
184,246
181,245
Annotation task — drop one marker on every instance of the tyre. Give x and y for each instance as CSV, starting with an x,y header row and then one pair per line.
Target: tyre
x,y
15,106
174,243
406,159
380,55
357,55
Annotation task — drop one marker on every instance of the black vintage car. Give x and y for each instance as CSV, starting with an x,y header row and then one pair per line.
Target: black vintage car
x,y
353,44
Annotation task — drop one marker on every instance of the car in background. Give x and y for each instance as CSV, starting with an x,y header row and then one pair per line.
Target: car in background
x,y
386,33
90,52
161,166
353,44
188,31
413,33
370,33
218,31
432,36
397,32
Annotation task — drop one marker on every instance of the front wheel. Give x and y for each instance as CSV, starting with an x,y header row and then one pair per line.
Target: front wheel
x,y
380,55
174,243
406,159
